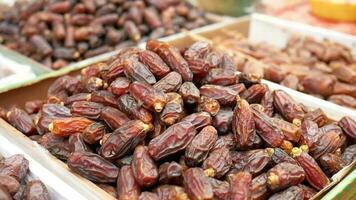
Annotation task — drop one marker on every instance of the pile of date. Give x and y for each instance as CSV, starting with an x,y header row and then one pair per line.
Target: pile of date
x,y
58,32
13,181
164,123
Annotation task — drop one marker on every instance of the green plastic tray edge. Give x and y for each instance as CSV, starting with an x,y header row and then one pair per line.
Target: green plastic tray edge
x,y
36,67
345,190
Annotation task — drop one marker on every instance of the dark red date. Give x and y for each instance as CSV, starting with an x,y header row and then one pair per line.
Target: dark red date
x,y
171,141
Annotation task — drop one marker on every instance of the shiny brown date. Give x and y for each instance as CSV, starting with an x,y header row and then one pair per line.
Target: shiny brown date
x,y
349,154
171,192
331,138
293,192
253,161
154,63
127,187
172,57
199,120
104,97
56,145
94,133
224,95
219,160
130,106
259,188
240,186
113,117
151,98
225,141
322,84
222,120
317,116
244,132
33,106
278,156
174,109
308,192
267,103
169,83
119,86
189,92
124,139
143,167
15,166
197,57
148,196
197,185
207,104
10,183
314,175
255,93
67,126
265,127
220,76
290,131
331,163
172,140
287,106
198,149
86,109
76,143
309,133
137,71
21,121
284,175
35,189
93,167
348,125
220,189
170,173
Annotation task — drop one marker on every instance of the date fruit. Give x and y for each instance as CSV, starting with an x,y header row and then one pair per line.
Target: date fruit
x,y
150,97
174,139
348,125
284,175
36,190
172,57
127,187
244,132
197,185
124,139
314,175
240,186
199,148
21,121
220,161
143,167
93,167
67,126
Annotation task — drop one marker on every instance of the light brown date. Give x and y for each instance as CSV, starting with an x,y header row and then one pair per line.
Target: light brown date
x,y
143,167
67,126
240,186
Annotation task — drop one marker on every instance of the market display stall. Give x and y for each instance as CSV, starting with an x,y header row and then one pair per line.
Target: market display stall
x,y
195,115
